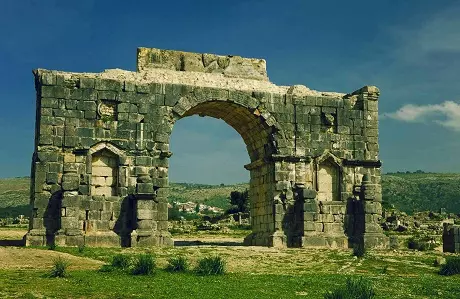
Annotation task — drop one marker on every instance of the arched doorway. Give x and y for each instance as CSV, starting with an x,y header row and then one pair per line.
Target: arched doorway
x,y
258,137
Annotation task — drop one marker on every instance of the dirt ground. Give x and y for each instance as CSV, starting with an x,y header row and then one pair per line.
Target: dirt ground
x,y
30,258
248,259
12,234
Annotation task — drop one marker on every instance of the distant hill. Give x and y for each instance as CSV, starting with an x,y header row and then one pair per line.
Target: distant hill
x,y
14,197
408,192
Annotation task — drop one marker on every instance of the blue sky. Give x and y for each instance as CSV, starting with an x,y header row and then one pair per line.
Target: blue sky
x,y
409,49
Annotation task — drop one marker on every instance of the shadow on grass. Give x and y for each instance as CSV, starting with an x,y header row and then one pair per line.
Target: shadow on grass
x,y
184,243
16,243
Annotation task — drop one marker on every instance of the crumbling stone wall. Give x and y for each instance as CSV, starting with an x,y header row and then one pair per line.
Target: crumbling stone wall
x,y
451,238
100,167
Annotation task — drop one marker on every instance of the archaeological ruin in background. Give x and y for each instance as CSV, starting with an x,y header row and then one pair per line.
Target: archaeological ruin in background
x,y
100,166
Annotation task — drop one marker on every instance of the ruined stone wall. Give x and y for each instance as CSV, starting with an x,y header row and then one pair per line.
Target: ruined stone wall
x,y
100,168
451,238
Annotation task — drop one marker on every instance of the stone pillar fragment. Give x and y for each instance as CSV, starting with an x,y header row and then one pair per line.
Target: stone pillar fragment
x,y
368,211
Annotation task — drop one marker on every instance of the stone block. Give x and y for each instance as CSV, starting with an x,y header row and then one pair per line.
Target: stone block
x,y
144,214
319,227
338,209
333,228
308,193
325,217
87,82
48,156
52,178
372,207
145,188
69,223
313,241
310,216
108,84
372,228
70,181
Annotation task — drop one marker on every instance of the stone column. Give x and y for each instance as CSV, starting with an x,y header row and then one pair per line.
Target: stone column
x,y
145,228
151,221
368,214
70,232
312,234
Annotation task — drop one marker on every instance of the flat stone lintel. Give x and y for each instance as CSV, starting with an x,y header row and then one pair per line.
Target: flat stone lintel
x,y
290,158
363,163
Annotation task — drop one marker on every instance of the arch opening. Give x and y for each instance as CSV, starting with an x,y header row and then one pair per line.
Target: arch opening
x,y
251,127
258,138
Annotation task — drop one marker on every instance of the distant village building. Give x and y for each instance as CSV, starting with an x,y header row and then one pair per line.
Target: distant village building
x,y
190,207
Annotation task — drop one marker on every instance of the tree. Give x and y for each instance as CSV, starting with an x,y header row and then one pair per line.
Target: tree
x,y
197,208
240,200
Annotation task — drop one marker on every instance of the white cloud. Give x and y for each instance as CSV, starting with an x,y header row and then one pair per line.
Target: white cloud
x,y
446,114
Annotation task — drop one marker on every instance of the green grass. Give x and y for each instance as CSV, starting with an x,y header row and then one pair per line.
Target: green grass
x,y
251,273
213,265
178,264
121,261
144,264
355,288
93,284
59,268
96,253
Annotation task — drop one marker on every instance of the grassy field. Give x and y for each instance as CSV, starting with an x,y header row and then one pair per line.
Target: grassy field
x,y
252,272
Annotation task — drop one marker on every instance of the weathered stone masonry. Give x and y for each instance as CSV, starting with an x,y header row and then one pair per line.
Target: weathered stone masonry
x,y
100,167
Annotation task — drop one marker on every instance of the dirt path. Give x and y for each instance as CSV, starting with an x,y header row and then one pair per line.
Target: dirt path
x,y
30,258
12,234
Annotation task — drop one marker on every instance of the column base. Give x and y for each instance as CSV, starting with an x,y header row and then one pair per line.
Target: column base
x,y
141,238
97,239
277,239
36,237
327,241
372,240
376,240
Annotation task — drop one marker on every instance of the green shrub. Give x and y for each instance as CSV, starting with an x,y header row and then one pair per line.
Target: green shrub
x,y
121,261
81,248
144,265
175,214
211,266
356,288
177,264
384,269
451,267
359,250
59,268
52,246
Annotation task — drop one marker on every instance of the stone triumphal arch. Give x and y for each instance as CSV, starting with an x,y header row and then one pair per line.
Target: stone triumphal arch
x,y
100,166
